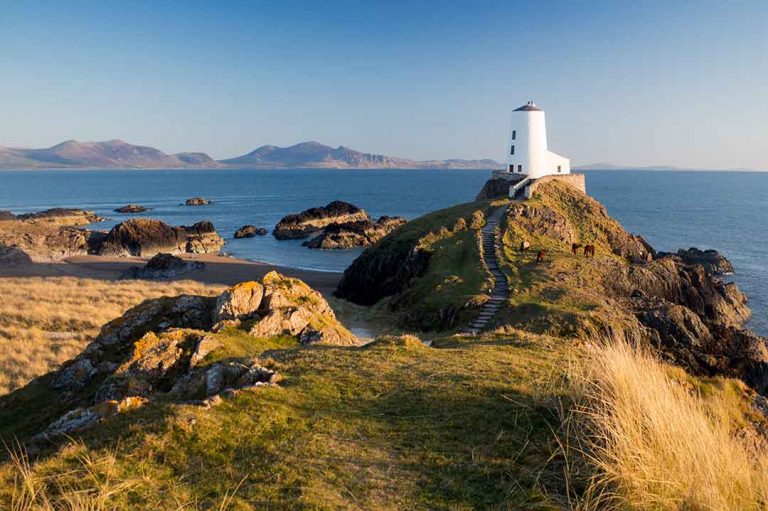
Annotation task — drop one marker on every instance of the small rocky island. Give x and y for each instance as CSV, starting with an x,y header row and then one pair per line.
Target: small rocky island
x,y
338,225
250,231
197,201
132,208
143,237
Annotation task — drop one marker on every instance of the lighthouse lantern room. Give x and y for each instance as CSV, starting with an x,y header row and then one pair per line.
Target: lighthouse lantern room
x,y
527,153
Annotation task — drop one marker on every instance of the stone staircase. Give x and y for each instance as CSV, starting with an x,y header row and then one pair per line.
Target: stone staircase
x,y
500,292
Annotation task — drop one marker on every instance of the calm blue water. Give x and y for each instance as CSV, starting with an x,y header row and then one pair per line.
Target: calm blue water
x,y
722,210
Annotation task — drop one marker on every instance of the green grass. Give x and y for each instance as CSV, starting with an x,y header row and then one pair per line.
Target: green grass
x,y
393,425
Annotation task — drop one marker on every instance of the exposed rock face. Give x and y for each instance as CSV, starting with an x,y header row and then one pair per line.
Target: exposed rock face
x,y
250,231
495,188
239,302
197,201
132,208
146,237
362,233
314,220
162,267
711,260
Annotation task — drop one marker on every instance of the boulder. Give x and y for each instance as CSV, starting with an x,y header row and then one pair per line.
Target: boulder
x,y
6,215
313,221
239,302
250,231
145,237
13,256
162,267
132,208
362,233
197,201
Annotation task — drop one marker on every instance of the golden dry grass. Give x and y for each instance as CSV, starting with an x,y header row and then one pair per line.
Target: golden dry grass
x,y
658,444
45,321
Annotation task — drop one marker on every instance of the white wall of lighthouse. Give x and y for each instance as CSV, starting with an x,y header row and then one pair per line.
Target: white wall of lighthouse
x,y
527,152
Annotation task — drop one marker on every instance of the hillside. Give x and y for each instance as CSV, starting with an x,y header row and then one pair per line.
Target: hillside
x,y
623,381
117,154
109,154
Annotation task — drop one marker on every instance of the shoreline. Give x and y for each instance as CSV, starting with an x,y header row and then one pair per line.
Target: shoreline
x,y
219,269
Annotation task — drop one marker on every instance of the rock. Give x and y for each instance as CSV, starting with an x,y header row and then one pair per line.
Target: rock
x,y
497,188
62,216
162,267
197,201
132,208
711,260
314,220
146,237
75,375
239,302
362,233
250,231
13,256
6,215
290,307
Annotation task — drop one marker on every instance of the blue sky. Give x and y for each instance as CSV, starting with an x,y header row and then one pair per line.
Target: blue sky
x,y
629,82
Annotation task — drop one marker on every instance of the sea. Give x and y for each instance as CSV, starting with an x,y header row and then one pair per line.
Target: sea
x,y
705,209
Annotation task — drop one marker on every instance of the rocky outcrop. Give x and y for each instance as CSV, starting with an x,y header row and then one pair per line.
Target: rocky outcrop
x,y
159,349
146,237
132,208
62,216
496,188
250,231
712,261
162,267
6,215
312,221
197,201
362,233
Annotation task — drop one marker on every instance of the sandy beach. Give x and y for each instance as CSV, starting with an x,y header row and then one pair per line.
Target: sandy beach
x,y
218,269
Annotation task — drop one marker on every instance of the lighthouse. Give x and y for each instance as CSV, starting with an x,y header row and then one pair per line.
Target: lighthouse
x,y
527,153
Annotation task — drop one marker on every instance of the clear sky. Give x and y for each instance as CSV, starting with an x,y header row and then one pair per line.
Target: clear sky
x,y
683,83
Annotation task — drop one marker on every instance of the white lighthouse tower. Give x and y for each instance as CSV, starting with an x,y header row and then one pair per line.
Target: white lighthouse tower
x,y
527,154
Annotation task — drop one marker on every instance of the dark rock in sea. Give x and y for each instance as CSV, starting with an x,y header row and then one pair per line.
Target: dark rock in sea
x,y
146,237
162,267
13,256
197,201
711,260
7,215
250,231
132,208
312,221
361,233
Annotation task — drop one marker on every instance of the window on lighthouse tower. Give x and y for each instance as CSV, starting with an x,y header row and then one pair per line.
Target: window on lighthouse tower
x,y
512,150
514,134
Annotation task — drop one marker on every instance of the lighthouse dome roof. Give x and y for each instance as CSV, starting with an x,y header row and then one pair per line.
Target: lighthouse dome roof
x,y
529,107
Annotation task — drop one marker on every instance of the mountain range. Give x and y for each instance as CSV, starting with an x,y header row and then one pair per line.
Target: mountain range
x,y
118,154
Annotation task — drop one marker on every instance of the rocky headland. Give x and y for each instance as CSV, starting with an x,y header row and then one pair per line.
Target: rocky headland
x,y
338,225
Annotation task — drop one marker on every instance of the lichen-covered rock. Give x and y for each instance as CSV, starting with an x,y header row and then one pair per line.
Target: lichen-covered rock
x,y
497,188
13,256
314,220
162,267
145,237
239,302
250,231
362,233
62,216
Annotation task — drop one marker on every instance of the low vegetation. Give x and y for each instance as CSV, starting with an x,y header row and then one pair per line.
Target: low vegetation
x,y
45,321
659,439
